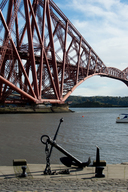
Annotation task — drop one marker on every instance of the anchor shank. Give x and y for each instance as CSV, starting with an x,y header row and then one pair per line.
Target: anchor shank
x,y
51,142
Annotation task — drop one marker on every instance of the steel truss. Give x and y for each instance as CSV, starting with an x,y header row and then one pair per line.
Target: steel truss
x,y
43,57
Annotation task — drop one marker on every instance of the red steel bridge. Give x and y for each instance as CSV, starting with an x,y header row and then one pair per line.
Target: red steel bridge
x,y
43,57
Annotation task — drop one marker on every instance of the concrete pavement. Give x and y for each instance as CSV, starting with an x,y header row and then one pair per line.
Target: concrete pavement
x,y
35,171
116,179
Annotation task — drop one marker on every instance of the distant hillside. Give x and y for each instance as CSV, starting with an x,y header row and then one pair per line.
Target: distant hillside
x,y
97,101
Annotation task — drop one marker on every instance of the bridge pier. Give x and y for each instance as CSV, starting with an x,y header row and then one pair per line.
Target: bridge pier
x,y
39,108
60,108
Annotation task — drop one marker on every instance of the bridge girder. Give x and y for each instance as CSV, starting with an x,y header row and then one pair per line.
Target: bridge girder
x,y
43,57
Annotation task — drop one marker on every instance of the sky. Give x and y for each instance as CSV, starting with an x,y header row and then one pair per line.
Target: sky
x,y
104,25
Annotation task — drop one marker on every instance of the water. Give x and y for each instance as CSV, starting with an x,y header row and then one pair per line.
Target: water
x,y
79,134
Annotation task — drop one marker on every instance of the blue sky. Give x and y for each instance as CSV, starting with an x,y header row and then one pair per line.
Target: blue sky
x,y
104,25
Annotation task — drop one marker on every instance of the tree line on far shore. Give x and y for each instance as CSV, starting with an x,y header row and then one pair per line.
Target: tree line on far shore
x,y
97,101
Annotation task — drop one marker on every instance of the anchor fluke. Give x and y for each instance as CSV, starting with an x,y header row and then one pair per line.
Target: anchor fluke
x,y
67,161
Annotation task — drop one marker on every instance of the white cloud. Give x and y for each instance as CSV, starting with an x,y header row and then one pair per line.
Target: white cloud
x,y
101,86
104,25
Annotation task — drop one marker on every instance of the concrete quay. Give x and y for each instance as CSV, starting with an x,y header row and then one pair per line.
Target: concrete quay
x,y
116,178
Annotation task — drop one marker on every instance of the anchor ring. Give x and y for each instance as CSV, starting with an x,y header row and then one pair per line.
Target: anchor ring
x,y
47,138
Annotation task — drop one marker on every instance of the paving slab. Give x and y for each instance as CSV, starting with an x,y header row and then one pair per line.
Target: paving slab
x,y
6,172
116,179
36,171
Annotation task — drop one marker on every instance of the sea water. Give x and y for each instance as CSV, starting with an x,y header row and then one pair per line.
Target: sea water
x,y
79,134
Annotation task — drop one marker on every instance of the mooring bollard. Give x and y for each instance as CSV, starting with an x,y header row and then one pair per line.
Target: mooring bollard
x,y
99,170
99,164
24,174
97,155
97,158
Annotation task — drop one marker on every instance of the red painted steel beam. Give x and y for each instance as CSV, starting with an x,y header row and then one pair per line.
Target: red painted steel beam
x,y
50,76
4,50
70,92
53,49
53,35
23,33
58,61
78,63
16,52
64,59
11,85
31,50
89,60
42,51
17,40
6,39
9,75
34,23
